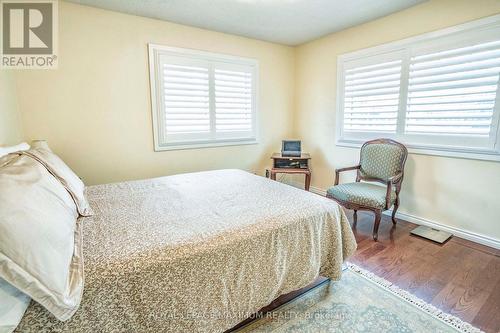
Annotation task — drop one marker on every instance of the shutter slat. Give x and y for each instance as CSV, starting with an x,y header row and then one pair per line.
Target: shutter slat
x,y
377,78
186,69
183,91
186,87
374,74
220,94
369,128
188,81
393,108
455,84
231,114
386,97
373,105
374,68
185,105
187,117
452,99
454,92
373,122
187,122
224,84
455,131
449,122
231,98
226,79
232,73
372,92
468,58
187,99
460,51
368,114
476,74
184,75
239,90
371,86
447,115
480,65
451,107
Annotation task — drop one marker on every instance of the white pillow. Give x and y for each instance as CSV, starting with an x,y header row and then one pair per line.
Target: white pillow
x,y
13,304
11,149
40,237
65,175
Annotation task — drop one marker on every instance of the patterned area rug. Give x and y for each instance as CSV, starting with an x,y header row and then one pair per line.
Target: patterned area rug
x,y
360,302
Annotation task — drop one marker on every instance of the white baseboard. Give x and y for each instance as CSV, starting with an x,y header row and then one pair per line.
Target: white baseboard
x,y
469,235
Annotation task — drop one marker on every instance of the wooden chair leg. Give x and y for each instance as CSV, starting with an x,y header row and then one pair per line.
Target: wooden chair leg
x,y
378,213
394,210
355,216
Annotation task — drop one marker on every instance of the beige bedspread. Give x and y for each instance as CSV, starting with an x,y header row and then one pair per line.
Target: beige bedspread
x,y
197,252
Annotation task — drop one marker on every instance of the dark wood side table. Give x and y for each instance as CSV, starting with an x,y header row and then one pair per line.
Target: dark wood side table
x,y
292,165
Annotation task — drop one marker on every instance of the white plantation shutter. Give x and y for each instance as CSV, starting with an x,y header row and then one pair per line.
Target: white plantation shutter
x,y
186,101
234,114
438,92
202,99
371,97
453,92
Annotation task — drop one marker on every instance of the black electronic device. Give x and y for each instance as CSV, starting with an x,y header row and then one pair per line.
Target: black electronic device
x,y
291,148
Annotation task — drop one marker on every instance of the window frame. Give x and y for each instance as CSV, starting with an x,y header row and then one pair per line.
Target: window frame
x,y
157,107
408,46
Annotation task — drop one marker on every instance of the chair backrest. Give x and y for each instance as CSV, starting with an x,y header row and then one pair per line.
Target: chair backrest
x,y
381,159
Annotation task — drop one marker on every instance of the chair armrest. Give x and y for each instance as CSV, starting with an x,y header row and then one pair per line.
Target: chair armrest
x,y
396,178
338,171
391,181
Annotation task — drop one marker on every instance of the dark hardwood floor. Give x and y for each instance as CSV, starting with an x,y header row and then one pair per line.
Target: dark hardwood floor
x,y
459,277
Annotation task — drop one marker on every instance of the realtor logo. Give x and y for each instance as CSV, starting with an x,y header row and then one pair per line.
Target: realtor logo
x,y
29,34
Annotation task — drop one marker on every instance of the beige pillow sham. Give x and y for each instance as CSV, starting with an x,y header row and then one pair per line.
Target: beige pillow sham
x,y
66,176
40,237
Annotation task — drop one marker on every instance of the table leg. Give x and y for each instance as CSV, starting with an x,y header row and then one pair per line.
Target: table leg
x,y
308,181
273,175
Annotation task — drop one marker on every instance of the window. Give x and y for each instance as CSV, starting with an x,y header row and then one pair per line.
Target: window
x,y
201,99
438,93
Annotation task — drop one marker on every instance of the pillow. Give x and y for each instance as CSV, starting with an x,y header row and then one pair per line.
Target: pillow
x,y
13,304
4,160
20,147
66,176
40,237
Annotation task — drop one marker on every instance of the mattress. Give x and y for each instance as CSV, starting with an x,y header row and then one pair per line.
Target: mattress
x,y
197,252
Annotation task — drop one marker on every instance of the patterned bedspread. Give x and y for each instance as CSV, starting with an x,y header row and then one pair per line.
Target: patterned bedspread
x,y
197,252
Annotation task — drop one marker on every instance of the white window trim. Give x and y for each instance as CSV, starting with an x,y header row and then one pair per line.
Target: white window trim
x,y
156,110
427,149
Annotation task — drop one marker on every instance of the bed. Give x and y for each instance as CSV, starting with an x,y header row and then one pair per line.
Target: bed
x,y
197,252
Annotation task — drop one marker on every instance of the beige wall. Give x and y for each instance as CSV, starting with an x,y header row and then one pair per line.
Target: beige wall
x,y
454,192
10,122
95,110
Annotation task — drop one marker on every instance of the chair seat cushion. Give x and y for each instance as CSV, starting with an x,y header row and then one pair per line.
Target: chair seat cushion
x,y
365,194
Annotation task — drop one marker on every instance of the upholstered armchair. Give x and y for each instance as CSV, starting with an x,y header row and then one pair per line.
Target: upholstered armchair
x,y
382,161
